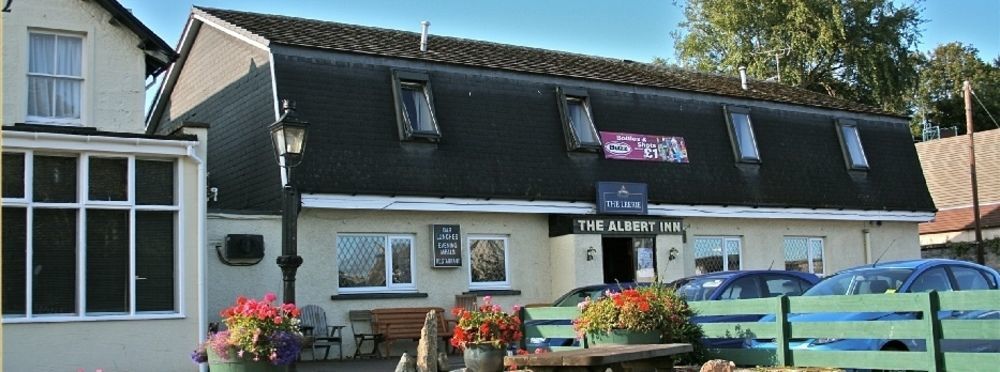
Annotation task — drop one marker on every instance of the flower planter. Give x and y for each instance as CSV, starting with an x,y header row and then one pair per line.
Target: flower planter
x,y
236,364
482,358
623,337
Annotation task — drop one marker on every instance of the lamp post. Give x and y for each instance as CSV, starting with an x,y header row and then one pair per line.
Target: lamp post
x,y
288,135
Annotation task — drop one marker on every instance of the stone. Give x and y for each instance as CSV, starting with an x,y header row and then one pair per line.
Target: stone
x,y
442,361
718,365
406,364
427,353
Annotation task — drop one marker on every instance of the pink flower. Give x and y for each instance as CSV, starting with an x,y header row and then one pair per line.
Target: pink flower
x,y
277,320
497,308
270,297
517,307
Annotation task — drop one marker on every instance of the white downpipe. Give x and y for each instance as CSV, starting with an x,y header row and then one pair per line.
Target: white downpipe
x,y
868,246
202,246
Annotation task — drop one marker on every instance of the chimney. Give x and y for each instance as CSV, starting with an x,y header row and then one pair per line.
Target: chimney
x,y
743,77
423,35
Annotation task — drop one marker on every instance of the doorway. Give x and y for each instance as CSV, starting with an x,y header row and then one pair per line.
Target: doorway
x,y
628,259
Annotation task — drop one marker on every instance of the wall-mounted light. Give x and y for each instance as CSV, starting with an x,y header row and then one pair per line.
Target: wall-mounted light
x,y
672,254
590,253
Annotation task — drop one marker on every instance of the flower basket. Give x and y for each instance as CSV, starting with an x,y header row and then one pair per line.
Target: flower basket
x,y
258,335
622,337
484,334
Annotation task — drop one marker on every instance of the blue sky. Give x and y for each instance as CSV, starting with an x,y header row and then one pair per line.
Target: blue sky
x,y
637,29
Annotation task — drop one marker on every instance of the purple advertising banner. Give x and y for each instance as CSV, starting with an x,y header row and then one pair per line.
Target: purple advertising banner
x,y
630,146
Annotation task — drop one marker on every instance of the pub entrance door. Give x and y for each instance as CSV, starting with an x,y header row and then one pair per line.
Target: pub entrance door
x,y
628,259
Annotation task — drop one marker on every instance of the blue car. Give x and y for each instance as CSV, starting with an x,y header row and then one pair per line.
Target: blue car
x,y
736,285
912,276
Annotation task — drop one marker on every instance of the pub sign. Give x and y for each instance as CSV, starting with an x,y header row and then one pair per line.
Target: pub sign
x,y
621,198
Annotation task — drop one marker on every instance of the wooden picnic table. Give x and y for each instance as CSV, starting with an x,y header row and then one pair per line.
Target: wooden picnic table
x,y
616,357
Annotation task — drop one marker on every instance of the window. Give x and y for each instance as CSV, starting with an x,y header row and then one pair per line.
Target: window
x,y
935,279
713,254
488,262
415,106
969,279
578,121
784,285
362,261
742,135
742,289
854,153
804,254
77,241
55,77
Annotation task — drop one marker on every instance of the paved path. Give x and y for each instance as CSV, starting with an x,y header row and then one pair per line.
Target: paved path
x,y
364,365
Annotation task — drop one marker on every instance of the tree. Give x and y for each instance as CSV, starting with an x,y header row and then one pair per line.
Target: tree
x,y
861,50
938,97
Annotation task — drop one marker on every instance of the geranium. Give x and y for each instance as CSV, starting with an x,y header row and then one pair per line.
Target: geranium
x,y
642,309
257,330
486,324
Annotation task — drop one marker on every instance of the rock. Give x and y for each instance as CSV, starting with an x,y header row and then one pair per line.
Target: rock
x,y
406,364
718,365
427,354
442,362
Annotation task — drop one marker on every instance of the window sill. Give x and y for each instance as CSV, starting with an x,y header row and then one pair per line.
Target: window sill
x,y
493,292
376,296
92,318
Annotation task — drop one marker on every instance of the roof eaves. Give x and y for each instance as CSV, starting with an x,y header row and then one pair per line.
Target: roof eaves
x,y
159,54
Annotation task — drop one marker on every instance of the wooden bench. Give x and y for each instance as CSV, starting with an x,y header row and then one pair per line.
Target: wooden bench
x,y
405,324
617,357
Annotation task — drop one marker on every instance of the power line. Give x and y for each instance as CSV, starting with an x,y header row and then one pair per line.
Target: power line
x,y
984,108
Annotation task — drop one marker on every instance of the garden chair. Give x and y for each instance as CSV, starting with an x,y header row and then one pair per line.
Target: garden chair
x,y
361,327
318,332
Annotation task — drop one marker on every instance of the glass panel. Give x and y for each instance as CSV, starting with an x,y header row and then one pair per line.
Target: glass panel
x,y
41,53
645,259
934,279
67,98
796,255
401,249
487,260
733,254
154,261
969,279
54,260
108,179
69,53
107,261
853,143
416,107
54,179
154,182
40,96
742,288
707,255
361,261
579,119
14,258
780,285
13,175
816,248
744,136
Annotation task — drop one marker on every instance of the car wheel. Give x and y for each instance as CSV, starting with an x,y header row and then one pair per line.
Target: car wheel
x,y
892,346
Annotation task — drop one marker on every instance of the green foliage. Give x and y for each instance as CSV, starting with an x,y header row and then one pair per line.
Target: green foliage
x,y
861,50
939,97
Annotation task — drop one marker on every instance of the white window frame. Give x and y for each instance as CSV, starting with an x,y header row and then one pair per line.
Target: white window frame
x,y
809,253
32,119
506,262
81,205
389,287
734,134
725,254
847,132
573,139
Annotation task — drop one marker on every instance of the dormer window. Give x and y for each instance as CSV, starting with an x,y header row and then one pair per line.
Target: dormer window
x,y
741,133
55,78
578,122
415,106
850,142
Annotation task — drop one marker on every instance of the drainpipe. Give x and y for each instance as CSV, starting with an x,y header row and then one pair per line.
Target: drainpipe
x,y
202,244
868,245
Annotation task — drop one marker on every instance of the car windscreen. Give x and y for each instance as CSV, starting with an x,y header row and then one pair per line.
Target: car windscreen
x,y
699,289
578,296
868,281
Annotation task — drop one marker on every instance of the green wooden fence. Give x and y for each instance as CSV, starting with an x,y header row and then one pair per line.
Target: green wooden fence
x,y
928,328
560,314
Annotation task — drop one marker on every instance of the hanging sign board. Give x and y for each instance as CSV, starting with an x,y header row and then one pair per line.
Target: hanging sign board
x,y
621,198
446,242
631,146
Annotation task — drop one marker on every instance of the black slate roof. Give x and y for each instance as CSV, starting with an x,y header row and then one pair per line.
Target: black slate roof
x,y
401,44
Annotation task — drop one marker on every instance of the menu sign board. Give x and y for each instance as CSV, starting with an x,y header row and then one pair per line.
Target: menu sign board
x,y
631,146
447,245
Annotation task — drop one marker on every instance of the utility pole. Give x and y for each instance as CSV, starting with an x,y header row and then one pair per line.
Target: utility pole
x,y
967,90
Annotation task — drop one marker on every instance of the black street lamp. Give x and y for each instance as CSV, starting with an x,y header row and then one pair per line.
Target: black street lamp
x,y
288,135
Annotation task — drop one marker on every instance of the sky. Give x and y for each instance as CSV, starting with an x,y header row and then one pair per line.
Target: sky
x,y
638,30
